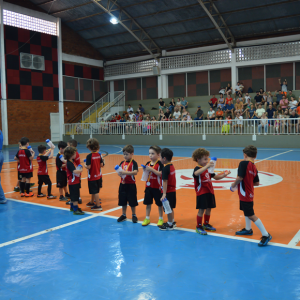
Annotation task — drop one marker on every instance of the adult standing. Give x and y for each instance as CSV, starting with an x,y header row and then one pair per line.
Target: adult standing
x,y
2,196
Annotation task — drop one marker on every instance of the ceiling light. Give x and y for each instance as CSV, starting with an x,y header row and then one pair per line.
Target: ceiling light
x,y
114,21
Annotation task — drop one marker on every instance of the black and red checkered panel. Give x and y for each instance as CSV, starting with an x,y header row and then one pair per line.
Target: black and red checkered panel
x,y
149,87
177,85
133,89
279,71
219,79
119,85
28,84
197,83
83,71
297,74
251,77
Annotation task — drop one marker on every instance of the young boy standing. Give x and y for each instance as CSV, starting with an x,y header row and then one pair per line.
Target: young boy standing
x,y
73,179
43,176
153,185
25,167
246,180
94,163
127,189
168,186
204,189
61,173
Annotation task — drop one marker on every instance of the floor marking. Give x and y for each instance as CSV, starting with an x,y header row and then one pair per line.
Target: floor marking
x,y
295,240
273,156
46,231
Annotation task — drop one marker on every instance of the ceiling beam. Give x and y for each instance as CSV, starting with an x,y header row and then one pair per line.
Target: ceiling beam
x,y
70,8
46,2
140,35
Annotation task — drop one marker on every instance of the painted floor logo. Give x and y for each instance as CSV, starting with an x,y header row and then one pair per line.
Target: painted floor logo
x,y
184,179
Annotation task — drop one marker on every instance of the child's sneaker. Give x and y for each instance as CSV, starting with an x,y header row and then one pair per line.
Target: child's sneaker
x,y
134,219
62,198
29,195
166,226
122,218
244,231
174,224
78,212
22,194
146,222
201,230
67,195
32,184
265,240
95,207
68,203
51,197
71,209
90,204
16,189
41,195
208,227
160,222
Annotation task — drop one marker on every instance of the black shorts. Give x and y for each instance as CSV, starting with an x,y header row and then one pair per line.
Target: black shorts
x,y
95,186
151,193
127,194
44,179
25,175
74,192
247,208
171,197
206,201
61,179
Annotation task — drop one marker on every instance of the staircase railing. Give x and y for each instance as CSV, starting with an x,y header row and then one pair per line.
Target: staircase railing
x,y
118,101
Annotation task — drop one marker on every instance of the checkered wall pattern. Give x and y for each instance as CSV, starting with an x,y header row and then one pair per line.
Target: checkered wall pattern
x,y
149,87
219,79
133,89
252,77
282,71
26,84
177,85
197,83
297,74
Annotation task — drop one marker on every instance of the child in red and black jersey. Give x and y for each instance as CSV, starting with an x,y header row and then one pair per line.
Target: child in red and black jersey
x,y
204,189
73,175
168,186
153,185
246,180
127,189
43,176
24,158
94,163
61,172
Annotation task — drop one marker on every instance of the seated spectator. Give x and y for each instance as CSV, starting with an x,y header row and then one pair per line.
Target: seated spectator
x,y
171,105
178,104
239,123
122,120
167,115
221,101
199,114
222,91
129,109
290,94
213,102
293,104
265,100
284,103
117,117
298,109
177,114
189,119
226,125
239,89
261,91
184,112
271,114
258,99
294,122
248,102
219,114
263,123
131,116
283,86
162,104
228,90
141,109
239,106
211,116
229,109
260,111
184,103
251,114
228,99
270,99
278,96
161,115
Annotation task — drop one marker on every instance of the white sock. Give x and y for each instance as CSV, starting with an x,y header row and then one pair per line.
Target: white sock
x,y
170,223
248,223
173,220
261,227
148,217
160,218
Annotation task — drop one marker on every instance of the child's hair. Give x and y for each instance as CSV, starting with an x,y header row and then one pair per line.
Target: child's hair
x,y
93,144
62,145
128,149
157,149
73,143
69,152
41,149
199,153
24,141
250,151
167,153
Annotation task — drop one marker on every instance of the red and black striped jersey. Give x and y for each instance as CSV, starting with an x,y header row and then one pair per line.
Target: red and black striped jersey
x,y
25,164
169,173
154,179
94,160
42,163
202,182
72,178
129,166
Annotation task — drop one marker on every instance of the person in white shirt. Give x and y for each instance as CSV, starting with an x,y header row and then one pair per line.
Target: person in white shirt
x,y
211,116
260,111
239,89
177,114
239,123
293,104
263,122
129,109
131,115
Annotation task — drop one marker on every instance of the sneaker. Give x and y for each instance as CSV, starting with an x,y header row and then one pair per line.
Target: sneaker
x,y
146,222
68,203
29,195
166,226
80,201
244,231
67,195
62,198
16,189
160,222
51,197
41,195
122,218
265,240
208,227
71,209
134,219
3,201
201,230
95,207
22,194
32,184
78,212
90,204
174,224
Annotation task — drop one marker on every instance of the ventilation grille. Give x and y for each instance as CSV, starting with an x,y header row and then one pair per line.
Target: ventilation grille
x,y
30,61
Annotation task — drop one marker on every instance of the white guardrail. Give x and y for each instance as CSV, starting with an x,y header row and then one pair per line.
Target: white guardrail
x,y
226,127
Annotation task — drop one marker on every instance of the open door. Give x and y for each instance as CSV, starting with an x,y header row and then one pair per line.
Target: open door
x,y
54,127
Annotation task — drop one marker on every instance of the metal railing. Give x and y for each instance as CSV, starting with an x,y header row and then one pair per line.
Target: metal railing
x,y
206,127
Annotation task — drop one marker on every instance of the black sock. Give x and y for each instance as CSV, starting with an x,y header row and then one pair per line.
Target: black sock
x,y
27,187
49,188
22,187
39,189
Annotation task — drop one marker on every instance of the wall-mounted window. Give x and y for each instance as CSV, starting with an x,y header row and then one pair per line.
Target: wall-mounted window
x,y
27,22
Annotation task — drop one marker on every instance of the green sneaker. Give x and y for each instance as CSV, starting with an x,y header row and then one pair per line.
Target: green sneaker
x,y
32,184
71,209
16,189
160,222
146,222
78,212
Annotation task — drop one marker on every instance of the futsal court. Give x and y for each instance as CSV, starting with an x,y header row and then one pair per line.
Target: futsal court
x,y
48,253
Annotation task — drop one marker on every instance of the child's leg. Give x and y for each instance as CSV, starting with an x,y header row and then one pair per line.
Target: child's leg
x,y
259,225
49,187
207,216
199,217
27,185
148,210
132,209
66,190
61,191
124,208
171,218
22,185
96,199
40,183
160,212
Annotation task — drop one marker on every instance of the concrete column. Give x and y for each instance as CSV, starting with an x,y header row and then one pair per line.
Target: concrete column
x,y
234,71
111,90
164,83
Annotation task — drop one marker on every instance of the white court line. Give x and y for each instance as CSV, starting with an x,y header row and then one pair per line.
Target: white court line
x,y
273,156
295,240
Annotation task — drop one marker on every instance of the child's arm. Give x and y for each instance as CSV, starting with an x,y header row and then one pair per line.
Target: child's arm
x,y
32,155
87,167
201,170
237,181
77,171
256,183
50,152
165,186
158,173
128,172
221,176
